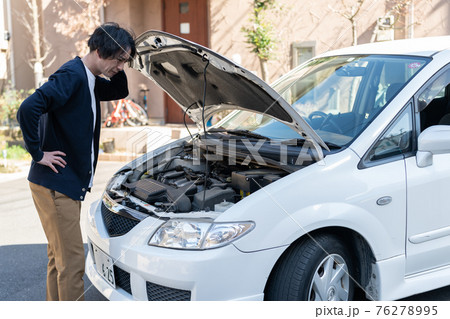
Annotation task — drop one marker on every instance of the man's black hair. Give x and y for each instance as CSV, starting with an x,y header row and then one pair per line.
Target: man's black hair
x,y
111,40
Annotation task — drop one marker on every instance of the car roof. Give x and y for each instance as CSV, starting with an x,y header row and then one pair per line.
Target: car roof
x,y
418,47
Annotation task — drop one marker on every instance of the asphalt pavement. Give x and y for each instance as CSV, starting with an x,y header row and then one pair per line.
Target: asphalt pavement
x,y
23,246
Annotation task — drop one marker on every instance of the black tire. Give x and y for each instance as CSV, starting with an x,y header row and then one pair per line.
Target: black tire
x,y
305,266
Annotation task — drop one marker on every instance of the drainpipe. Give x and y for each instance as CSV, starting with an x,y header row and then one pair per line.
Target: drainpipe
x,y
102,14
11,45
411,21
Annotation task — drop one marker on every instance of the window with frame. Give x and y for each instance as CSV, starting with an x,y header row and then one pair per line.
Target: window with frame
x,y
302,52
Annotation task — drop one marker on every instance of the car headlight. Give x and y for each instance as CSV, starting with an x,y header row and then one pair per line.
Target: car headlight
x,y
190,234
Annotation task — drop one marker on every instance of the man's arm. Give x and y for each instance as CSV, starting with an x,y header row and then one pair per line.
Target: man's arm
x,y
114,89
53,94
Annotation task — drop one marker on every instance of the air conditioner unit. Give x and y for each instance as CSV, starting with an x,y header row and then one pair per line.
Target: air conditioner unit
x,y
386,21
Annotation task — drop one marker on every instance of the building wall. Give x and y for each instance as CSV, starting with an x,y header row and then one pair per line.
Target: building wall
x,y
299,21
3,50
20,42
140,16
431,18
313,22
62,47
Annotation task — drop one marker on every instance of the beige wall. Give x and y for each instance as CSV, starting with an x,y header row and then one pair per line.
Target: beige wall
x,y
140,16
62,48
3,49
432,18
299,20
21,46
137,15
314,21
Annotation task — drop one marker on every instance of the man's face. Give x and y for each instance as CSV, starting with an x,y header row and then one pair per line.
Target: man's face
x,y
110,66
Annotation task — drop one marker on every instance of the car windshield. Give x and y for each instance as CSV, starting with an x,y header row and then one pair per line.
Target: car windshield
x,y
337,96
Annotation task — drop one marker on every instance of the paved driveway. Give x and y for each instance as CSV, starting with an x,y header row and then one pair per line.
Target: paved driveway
x,y
23,246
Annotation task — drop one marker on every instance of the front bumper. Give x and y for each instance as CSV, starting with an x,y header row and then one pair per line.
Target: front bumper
x,y
152,273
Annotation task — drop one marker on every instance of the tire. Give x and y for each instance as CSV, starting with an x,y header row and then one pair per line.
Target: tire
x,y
131,122
141,112
313,269
142,116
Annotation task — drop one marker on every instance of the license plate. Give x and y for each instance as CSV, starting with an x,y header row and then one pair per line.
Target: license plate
x,y
104,265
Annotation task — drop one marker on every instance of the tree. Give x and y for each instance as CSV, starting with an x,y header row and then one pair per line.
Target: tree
x,y
10,101
41,47
350,11
84,20
260,35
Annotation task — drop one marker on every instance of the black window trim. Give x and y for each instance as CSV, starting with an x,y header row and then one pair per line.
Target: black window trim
x,y
413,102
365,162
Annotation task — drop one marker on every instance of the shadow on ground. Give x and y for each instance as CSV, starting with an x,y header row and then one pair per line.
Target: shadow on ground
x,y
23,270
23,275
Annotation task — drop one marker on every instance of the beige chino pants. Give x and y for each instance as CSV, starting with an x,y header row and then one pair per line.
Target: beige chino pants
x,y
60,218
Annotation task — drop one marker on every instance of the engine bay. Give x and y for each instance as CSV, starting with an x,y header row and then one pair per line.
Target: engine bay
x,y
180,181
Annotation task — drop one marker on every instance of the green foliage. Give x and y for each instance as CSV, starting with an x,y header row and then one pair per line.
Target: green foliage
x,y
17,152
260,35
10,101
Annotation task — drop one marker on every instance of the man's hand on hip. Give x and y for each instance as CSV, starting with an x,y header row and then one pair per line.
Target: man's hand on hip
x,y
51,159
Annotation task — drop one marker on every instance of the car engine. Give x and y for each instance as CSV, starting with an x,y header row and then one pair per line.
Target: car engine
x,y
176,181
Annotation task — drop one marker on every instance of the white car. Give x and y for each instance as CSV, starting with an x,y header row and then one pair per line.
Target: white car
x,y
332,184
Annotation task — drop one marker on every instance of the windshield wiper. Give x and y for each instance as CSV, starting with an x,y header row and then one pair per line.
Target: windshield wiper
x,y
239,132
332,145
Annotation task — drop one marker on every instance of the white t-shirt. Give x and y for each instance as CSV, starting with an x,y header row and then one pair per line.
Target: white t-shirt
x,y
91,81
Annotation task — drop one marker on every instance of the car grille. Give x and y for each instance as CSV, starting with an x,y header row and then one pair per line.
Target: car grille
x,y
161,293
122,279
117,225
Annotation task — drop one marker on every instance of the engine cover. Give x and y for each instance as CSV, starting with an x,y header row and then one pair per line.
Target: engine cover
x,y
152,192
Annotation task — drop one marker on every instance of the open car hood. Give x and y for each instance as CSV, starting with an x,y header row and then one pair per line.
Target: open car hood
x,y
178,66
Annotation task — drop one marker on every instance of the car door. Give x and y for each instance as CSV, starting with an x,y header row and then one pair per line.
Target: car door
x,y
428,188
383,167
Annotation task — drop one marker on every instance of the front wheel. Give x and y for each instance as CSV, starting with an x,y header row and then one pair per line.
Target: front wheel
x,y
318,268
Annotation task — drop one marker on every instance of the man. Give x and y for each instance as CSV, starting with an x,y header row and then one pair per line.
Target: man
x,y
60,122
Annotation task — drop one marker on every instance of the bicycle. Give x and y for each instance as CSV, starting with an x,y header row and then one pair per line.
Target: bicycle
x,y
126,112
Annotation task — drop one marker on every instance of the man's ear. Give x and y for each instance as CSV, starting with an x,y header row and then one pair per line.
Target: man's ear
x,y
97,52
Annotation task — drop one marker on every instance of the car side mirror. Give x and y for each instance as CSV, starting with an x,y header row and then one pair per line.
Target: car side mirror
x,y
434,140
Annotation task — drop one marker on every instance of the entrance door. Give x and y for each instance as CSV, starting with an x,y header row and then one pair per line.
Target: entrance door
x,y
187,19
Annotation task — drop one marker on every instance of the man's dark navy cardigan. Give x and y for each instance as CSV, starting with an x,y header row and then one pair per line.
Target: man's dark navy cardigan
x,y
58,117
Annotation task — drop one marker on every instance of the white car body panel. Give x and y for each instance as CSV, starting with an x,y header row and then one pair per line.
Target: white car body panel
x,y
392,284
282,219
432,183
419,47
409,238
186,270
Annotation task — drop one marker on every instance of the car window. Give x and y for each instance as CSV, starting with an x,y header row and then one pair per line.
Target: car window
x,y
397,140
343,95
434,101
337,96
